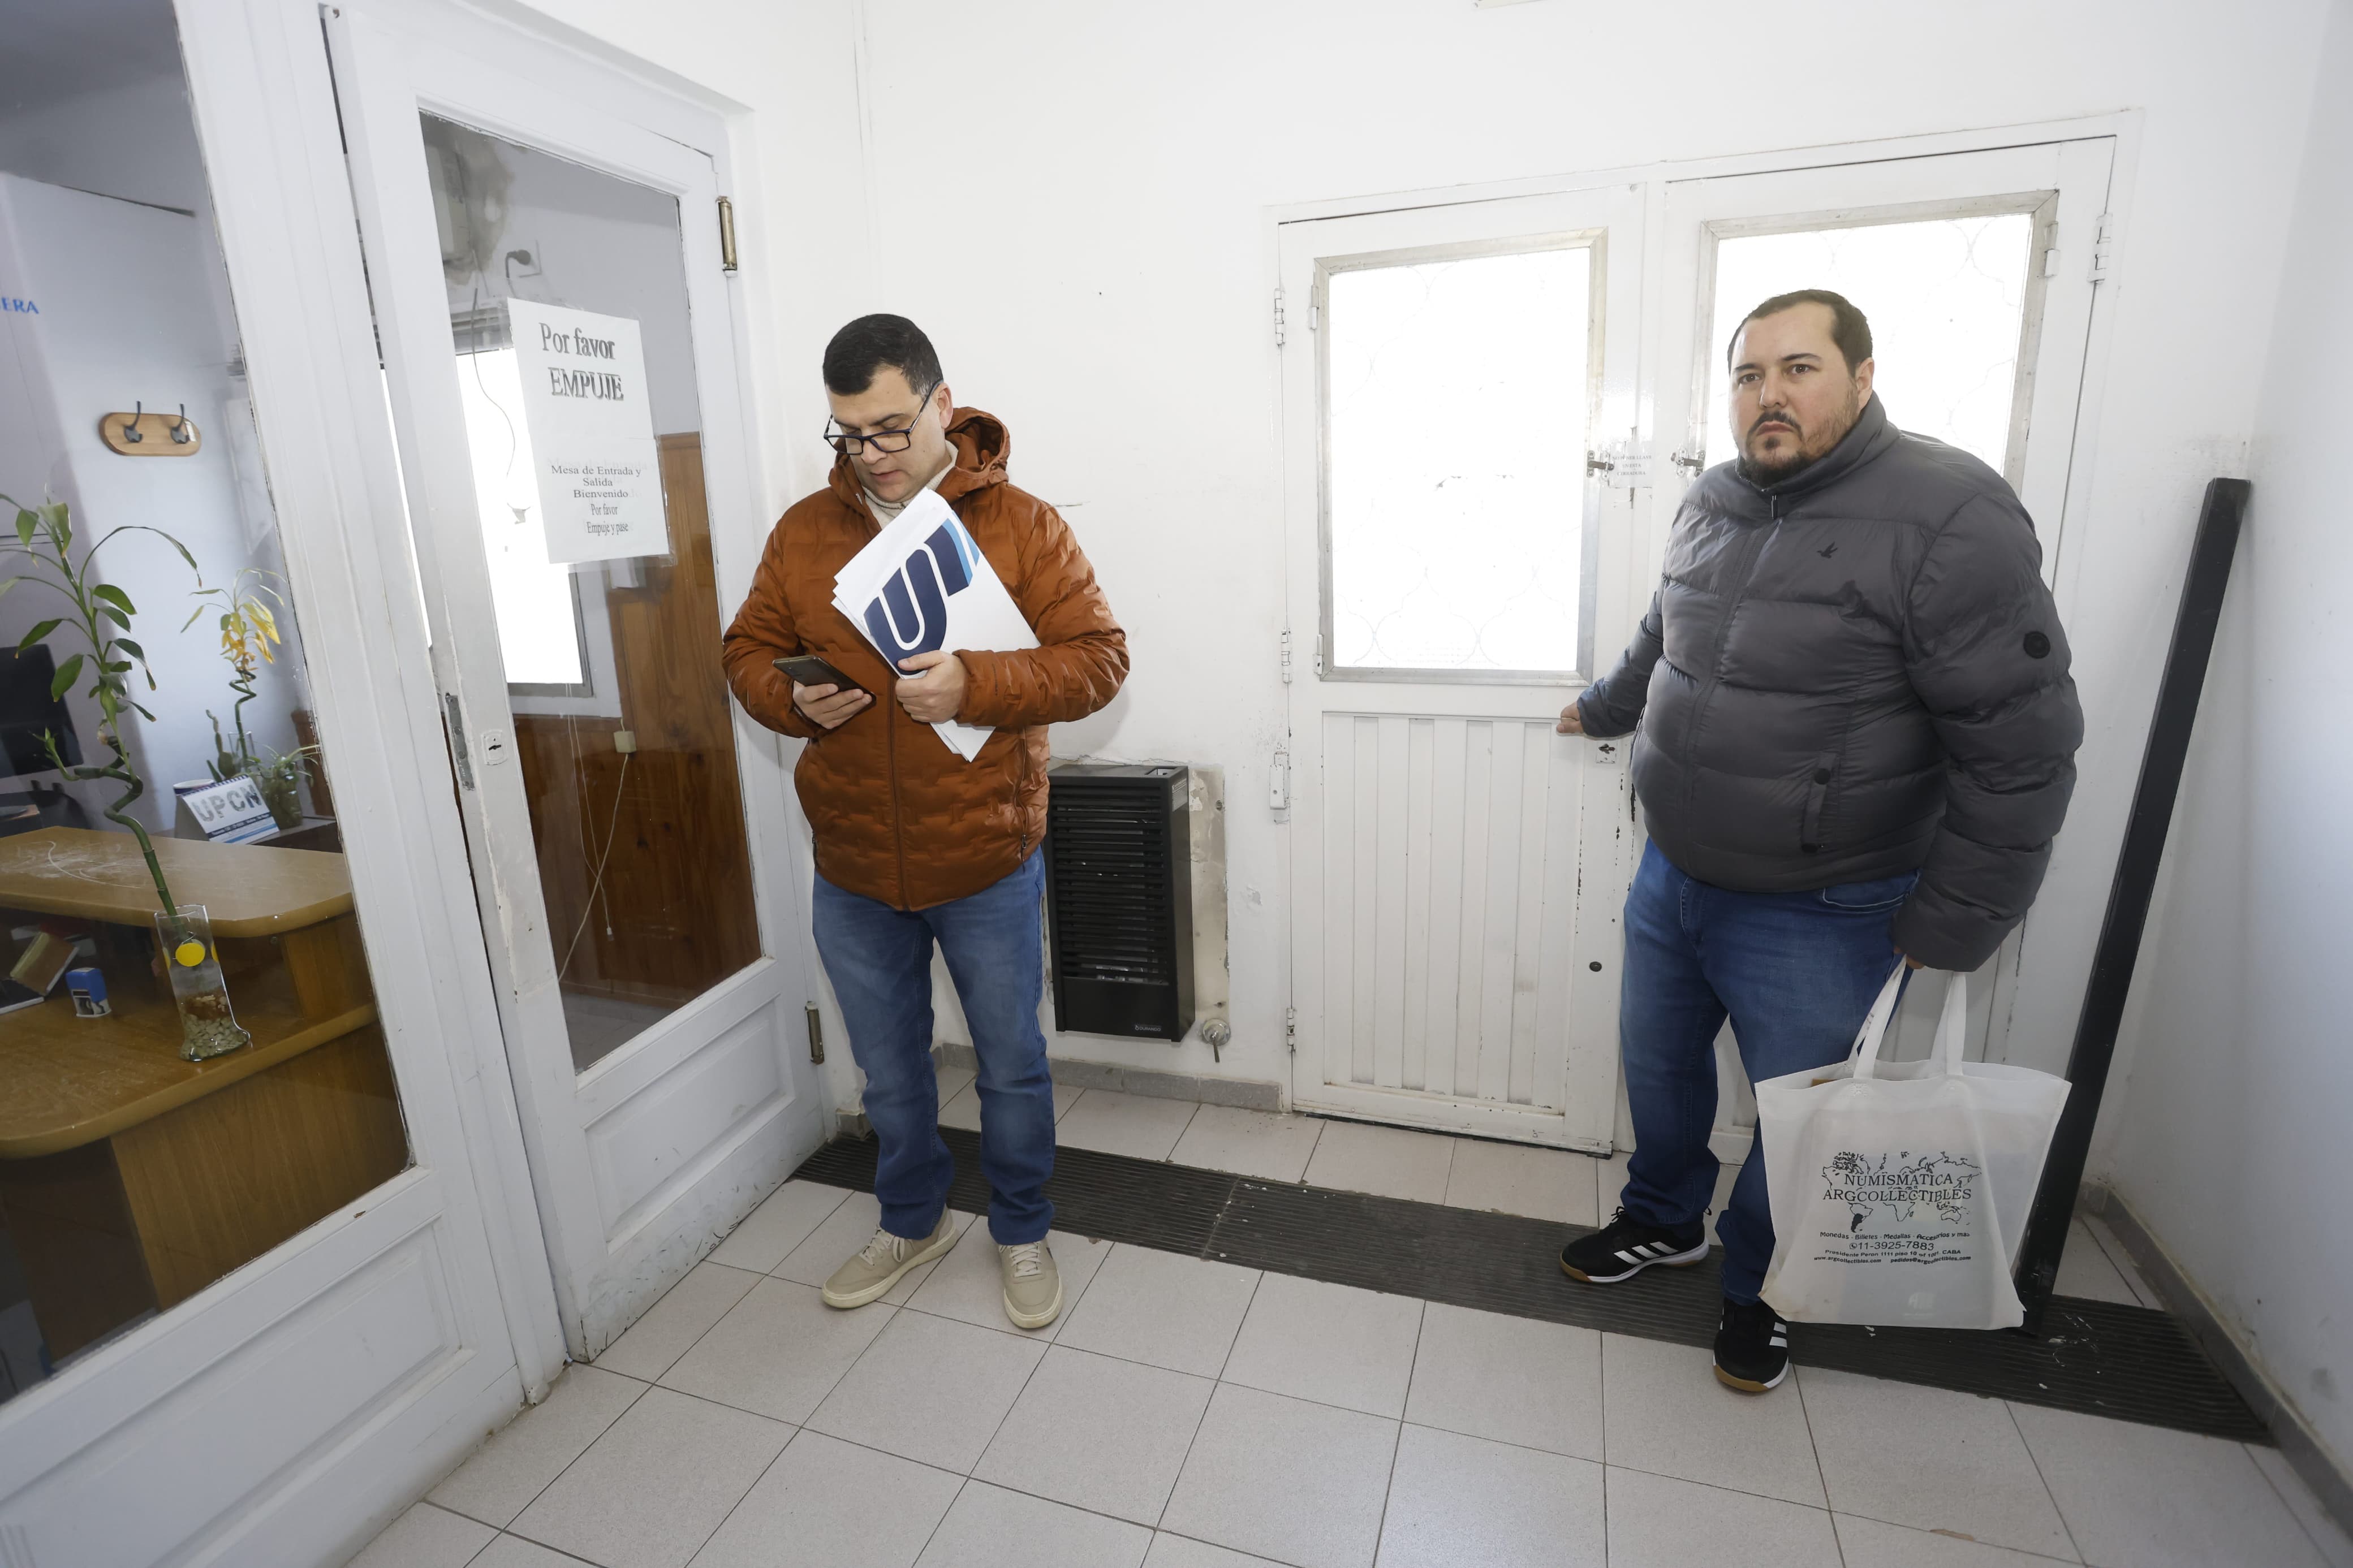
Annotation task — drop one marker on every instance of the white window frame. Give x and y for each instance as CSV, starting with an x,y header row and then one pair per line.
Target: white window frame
x,y
1595,242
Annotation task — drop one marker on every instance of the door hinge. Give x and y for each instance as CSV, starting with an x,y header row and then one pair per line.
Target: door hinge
x,y
457,753
2103,247
1314,315
1278,781
1286,658
726,235
1278,316
1290,1030
1319,655
815,1033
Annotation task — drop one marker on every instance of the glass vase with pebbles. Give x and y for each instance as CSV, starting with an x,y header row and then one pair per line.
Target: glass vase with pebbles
x,y
209,1027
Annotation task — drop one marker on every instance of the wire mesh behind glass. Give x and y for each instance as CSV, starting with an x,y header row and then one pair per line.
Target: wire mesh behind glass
x,y
1458,393
1947,299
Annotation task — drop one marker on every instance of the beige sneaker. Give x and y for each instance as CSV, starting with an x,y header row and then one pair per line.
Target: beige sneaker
x,y
877,1266
1033,1285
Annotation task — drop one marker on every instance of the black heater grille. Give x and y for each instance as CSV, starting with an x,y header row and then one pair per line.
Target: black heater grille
x,y
1119,899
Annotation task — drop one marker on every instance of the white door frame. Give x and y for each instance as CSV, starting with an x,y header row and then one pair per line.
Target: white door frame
x,y
643,1160
286,1411
1562,999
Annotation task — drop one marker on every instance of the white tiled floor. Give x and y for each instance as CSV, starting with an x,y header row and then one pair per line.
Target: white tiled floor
x,y
1192,1415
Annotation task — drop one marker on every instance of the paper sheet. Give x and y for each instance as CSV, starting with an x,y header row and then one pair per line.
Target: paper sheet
x,y
922,585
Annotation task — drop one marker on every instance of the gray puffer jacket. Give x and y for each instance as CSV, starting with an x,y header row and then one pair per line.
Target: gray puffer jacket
x,y
1852,675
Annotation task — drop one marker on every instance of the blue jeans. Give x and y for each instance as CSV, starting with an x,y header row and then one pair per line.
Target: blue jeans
x,y
1796,973
879,961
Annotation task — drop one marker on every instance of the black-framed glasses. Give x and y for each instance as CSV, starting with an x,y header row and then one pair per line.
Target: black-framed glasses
x,y
882,440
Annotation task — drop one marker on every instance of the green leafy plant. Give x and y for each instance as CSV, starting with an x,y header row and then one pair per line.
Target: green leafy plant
x,y
100,619
249,632
280,776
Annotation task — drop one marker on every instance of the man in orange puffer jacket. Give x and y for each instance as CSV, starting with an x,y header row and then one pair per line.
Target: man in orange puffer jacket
x,y
914,845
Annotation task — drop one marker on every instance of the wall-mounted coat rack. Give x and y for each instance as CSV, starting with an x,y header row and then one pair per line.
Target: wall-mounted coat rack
x,y
139,434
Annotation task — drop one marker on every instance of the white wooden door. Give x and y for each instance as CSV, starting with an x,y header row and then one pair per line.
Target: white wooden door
x,y
1456,561
287,1411
632,871
1979,272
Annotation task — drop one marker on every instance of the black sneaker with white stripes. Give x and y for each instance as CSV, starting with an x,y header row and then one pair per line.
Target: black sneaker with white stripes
x,y
1627,1245
1752,1347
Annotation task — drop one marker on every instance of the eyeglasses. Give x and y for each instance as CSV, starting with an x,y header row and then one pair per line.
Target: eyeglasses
x,y
882,440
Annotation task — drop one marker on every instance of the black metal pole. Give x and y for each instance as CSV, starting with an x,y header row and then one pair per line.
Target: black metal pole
x,y
2128,898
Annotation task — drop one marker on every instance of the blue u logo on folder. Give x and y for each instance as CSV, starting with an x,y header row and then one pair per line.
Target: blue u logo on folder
x,y
910,616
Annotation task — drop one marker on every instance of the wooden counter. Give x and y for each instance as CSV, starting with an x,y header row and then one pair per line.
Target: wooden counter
x,y
130,1179
247,889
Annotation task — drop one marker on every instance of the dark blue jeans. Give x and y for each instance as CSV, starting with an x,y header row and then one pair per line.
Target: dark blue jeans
x,y
1796,973
879,961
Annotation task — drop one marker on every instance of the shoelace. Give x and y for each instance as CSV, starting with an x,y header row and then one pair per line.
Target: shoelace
x,y
1028,1260
884,1245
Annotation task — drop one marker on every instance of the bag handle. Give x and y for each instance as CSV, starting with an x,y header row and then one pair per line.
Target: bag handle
x,y
1873,1032
1951,1027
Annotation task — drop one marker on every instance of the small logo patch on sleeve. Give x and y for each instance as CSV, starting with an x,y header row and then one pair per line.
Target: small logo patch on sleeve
x,y
2037,646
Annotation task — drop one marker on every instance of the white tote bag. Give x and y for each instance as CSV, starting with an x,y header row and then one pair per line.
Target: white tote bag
x,y
1899,1190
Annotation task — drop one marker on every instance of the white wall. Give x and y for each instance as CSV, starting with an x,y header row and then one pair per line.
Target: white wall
x,y
124,318
1074,200
2241,1091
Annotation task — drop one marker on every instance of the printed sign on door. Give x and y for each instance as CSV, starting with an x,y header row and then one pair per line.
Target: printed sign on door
x,y
592,432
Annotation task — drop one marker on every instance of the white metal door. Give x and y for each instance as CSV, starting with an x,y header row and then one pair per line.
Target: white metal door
x,y
1458,869
653,1035
1978,271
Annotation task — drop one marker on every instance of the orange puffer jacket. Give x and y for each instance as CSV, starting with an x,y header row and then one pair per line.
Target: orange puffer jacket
x,y
899,817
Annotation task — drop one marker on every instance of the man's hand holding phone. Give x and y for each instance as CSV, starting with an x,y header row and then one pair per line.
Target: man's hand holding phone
x,y
829,707
825,697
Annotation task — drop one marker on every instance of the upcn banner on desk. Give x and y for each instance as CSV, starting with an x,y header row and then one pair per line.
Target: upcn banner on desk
x,y
592,432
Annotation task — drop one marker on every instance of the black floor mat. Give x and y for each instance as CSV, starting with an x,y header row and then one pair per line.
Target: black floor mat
x,y
2098,1357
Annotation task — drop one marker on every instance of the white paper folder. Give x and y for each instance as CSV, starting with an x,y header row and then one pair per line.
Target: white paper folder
x,y
922,585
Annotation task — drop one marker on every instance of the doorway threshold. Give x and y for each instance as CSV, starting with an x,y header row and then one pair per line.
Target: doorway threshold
x,y
2099,1358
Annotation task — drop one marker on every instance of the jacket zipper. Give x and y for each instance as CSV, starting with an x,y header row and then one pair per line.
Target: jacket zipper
x,y
890,751
898,828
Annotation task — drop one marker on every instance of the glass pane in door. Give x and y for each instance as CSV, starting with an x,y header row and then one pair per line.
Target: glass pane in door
x,y
193,1067
621,716
1946,298
1458,393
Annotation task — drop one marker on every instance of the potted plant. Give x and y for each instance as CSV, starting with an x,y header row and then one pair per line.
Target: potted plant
x,y
248,631
100,619
280,776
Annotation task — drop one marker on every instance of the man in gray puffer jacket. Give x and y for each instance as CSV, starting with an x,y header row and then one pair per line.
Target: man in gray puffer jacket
x,y
1856,740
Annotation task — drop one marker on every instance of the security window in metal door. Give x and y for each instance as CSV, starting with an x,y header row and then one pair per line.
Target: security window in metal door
x,y
1459,384
1952,288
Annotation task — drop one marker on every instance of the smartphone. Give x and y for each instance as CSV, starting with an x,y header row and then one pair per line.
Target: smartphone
x,y
811,670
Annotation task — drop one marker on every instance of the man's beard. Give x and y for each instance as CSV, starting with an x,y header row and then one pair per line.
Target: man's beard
x,y
1773,472
1762,472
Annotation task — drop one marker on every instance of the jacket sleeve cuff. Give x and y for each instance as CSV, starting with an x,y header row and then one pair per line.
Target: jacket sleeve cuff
x,y
1595,717
1960,947
775,709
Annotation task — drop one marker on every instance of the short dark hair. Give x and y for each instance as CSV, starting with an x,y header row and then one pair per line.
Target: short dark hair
x,y
872,343
1848,329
